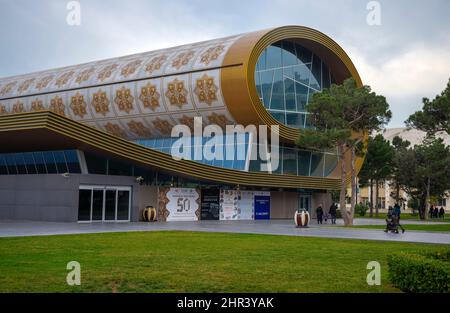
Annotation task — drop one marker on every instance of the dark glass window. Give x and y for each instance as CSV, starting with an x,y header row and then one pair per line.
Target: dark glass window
x,y
304,158
95,164
84,205
73,163
39,161
30,164
285,75
60,162
110,205
119,168
273,58
289,161
3,167
123,204
97,204
20,163
317,164
50,162
11,163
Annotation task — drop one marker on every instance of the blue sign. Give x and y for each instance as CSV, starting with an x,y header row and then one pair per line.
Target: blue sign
x,y
262,207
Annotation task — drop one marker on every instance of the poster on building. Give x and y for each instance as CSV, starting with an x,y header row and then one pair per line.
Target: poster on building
x,y
179,204
210,209
228,205
262,205
246,205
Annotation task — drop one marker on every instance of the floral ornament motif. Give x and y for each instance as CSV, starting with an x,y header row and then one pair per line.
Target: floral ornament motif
x,y
3,110
25,85
43,83
78,105
188,121
107,71
155,64
219,119
36,105
100,102
139,129
124,99
7,88
182,59
211,54
18,107
115,129
176,93
206,90
84,75
149,96
130,68
57,105
163,126
64,78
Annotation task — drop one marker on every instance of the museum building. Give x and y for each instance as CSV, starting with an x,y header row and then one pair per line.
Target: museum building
x,y
92,142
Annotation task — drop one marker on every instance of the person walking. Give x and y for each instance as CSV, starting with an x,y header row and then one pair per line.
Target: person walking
x,y
442,213
397,211
431,212
333,212
436,212
319,213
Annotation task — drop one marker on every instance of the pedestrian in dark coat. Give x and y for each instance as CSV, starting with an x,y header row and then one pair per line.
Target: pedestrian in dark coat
x,y
333,212
319,213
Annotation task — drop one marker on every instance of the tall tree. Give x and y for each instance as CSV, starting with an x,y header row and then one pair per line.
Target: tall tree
x,y
433,118
423,171
343,115
435,114
378,166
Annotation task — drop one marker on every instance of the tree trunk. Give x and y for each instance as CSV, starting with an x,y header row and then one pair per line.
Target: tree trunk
x,y
353,183
377,190
347,220
397,192
423,208
427,200
371,197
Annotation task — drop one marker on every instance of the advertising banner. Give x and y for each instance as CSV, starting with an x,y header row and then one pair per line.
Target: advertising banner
x,y
179,204
246,205
228,205
210,204
262,205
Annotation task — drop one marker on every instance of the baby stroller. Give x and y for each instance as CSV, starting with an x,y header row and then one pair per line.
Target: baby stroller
x,y
392,223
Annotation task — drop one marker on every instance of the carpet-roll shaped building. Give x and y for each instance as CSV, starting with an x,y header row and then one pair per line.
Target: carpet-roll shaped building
x,y
109,122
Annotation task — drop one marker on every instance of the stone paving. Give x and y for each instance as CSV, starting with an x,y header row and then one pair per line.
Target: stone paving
x,y
271,227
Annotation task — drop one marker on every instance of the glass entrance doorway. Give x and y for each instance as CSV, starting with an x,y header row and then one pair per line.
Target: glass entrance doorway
x,y
104,204
304,202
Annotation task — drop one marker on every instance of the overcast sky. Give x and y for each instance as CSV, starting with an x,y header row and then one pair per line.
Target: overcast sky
x,y
406,58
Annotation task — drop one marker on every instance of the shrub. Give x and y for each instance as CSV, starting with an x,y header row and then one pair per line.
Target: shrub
x,y
361,209
420,272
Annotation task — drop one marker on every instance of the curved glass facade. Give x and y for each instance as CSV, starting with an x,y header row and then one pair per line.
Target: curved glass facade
x,y
286,76
295,161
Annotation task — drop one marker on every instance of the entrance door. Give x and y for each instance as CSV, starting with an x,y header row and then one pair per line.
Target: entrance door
x,y
104,204
97,204
304,202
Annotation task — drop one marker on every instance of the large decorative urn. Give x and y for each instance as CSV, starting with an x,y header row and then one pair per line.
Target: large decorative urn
x,y
301,218
149,214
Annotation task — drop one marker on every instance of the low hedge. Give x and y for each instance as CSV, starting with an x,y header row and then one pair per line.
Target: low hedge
x,y
420,272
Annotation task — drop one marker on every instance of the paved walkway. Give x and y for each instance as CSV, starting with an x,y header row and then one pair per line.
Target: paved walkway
x,y
272,227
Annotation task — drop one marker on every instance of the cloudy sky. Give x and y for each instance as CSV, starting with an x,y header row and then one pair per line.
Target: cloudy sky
x,y
405,58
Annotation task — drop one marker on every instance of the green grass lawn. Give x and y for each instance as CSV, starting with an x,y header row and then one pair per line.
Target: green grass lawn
x,y
426,227
194,262
407,216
